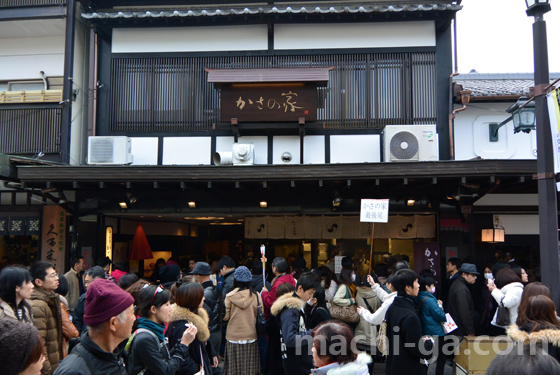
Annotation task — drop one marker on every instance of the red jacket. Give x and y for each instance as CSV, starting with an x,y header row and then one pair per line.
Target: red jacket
x,y
270,297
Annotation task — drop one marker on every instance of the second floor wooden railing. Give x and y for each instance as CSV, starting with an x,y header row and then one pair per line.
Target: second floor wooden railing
x,y
31,96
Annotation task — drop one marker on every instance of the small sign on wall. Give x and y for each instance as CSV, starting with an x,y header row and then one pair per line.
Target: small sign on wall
x,y
269,102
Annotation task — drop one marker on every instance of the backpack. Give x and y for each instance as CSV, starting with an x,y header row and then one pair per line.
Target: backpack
x,y
131,339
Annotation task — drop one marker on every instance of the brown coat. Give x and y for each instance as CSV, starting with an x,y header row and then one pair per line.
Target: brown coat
x,y
241,312
69,331
47,319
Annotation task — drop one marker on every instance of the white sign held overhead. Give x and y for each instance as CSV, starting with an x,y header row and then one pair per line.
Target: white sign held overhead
x,y
374,210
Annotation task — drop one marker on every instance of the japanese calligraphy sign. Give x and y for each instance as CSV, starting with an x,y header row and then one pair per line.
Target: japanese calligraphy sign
x,y
53,245
427,256
374,210
269,102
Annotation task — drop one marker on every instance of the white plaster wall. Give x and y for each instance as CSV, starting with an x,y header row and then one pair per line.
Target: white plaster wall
x,y
285,144
519,224
354,35
24,58
471,134
224,144
314,149
358,148
144,150
187,150
190,39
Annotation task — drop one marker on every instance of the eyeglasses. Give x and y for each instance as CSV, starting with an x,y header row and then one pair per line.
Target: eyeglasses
x,y
53,275
159,289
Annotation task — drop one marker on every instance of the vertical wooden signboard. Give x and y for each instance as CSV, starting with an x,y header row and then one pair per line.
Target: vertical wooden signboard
x,y
53,244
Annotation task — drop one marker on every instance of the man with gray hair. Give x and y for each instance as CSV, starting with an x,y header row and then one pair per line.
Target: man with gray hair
x,y
280,268
109,315
91,274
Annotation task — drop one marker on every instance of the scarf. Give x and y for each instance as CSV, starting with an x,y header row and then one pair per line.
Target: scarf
x,y
152,326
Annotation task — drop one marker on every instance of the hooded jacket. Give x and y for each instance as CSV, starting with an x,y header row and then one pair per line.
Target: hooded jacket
x,y
358,367
431,314
87,358
47,319
461,308
405,343
550,337
179,317
364,332
7,312
510,297
241,313
270,296
288,311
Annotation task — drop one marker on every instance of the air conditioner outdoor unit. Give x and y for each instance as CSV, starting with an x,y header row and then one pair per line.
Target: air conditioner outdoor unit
x,y
109,151
242,154
410,143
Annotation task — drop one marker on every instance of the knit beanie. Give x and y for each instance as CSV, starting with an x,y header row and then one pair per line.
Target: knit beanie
x,y
104,300
169,273
17,341
242,274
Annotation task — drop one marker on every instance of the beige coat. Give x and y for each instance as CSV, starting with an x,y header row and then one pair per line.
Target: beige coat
x,y
48,320
73,289
241,312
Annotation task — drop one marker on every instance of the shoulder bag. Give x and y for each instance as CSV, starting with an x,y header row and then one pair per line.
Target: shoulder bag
x,y
382,341
346,314
502,315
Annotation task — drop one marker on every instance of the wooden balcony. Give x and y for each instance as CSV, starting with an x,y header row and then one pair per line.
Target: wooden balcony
x,y
31,96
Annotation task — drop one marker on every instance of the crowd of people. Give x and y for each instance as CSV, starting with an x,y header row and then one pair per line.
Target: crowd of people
x,y
228,319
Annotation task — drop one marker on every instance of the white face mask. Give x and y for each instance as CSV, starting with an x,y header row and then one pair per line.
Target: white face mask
x,y
354,277
309,302
433,290
488,276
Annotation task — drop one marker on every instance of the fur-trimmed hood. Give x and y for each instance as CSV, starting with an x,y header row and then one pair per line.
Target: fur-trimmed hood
x,y
286,301
550,336
200,320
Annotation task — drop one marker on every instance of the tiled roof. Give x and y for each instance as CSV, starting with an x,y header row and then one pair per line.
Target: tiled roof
x,y
212,11
515,84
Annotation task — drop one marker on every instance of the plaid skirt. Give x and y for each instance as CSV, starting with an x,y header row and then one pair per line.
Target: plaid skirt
x,y
242,359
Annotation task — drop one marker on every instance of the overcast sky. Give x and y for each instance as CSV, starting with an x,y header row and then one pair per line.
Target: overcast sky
x,y
496,36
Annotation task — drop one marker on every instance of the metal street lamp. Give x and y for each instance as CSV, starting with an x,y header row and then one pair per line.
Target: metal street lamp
x,y
523,116
523,113
548,215
537,6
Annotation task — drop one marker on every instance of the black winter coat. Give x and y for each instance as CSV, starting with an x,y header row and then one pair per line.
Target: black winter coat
x,y
78,314
257,283
89,359
213,299
550,336
291,321
461,307
179,317
148,352
403,314
317,315
273,359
